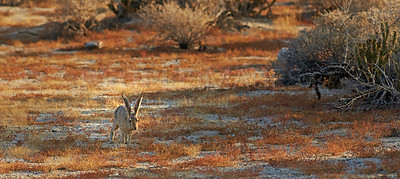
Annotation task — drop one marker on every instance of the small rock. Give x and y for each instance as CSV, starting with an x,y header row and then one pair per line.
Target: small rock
x,y
283,53
284,66
220,49
61,168
93,45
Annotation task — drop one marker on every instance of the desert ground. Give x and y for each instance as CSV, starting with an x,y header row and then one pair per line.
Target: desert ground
x,y
215,113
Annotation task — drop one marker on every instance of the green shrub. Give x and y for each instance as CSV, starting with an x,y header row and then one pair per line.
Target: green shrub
x,y
374,57
377,70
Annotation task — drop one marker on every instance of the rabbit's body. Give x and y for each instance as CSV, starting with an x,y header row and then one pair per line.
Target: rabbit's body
x,y
125,120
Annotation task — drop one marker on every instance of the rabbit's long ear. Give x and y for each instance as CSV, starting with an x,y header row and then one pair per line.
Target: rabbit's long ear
x,y
127,103
137,104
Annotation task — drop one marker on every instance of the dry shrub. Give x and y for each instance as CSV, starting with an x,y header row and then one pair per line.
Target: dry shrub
x,y
79,16
346,38
341,33
185,24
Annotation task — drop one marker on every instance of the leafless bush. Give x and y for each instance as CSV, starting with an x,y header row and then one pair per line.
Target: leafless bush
x,y
331,51
79,16
228,19
185,24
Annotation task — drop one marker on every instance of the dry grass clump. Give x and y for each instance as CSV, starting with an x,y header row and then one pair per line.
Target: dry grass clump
x,y
20,151
20,166
216,160
72,159
192,150
185,24
175,150
92,161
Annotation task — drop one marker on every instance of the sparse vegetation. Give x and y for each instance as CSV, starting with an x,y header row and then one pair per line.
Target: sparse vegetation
x,y
344,55
376,70
78,17
214,113
185,23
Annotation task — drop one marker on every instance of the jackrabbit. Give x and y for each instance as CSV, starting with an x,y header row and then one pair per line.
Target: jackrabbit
x,y
125,120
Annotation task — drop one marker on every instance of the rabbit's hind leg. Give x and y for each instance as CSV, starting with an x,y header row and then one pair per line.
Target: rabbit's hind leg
x,y
113,132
